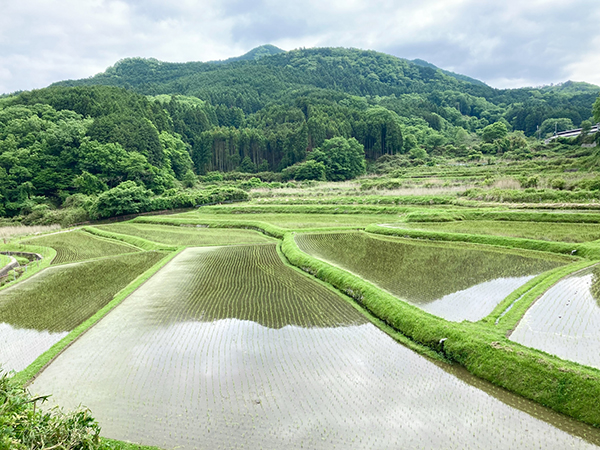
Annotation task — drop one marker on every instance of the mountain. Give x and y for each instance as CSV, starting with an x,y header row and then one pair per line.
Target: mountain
x,y
458,76
254,54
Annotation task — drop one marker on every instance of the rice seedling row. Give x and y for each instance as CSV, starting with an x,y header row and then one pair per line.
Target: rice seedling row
x,y
565,321
299,220
160,370
546,231
78,246
40,311
453,282
187,236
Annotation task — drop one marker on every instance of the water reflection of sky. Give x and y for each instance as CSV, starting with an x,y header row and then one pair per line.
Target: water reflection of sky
x,y
476,302
454,282
233,384
565,321
19,347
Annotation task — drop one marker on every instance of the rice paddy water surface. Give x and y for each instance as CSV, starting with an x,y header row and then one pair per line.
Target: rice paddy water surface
x,y
565,321
201,357
451,281
40,311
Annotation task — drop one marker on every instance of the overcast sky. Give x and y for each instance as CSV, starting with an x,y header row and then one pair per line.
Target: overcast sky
x,y
506,43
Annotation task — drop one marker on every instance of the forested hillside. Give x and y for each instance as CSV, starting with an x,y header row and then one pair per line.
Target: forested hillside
x,y
160,125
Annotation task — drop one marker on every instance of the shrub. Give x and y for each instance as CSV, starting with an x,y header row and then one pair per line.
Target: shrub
x,y
126,198
558,183
23,427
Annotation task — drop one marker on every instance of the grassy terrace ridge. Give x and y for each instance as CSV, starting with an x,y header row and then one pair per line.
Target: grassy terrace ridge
x,y
47,253
545,231
586,250
483,350
138,242
342,208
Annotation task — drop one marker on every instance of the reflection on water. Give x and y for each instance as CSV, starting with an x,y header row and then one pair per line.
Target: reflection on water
x,y
37,312
230,383
19,347
565,321
454,282
247,283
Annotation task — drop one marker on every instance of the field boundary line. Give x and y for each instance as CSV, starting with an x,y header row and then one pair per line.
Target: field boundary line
x,y
134,241
31,372
48,254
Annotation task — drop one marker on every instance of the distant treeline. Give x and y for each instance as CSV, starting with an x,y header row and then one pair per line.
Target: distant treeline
x,y
161,124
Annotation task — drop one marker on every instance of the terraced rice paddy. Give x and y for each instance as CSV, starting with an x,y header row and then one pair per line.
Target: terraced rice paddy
x,y
187,236
294,221
454,282
545,231
40,311
565,321
78,246
283,363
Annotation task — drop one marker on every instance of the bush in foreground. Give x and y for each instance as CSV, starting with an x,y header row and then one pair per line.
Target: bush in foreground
x,y
24,426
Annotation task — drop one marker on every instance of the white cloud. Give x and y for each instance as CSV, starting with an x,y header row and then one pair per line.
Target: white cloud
x,y
506,44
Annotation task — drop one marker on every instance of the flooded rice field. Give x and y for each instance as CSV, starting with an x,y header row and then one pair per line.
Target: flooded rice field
x,y
565,321
187,236
281,362
450,281
38,312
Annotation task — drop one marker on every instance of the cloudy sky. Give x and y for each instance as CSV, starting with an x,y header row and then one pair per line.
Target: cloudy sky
x,y
506,43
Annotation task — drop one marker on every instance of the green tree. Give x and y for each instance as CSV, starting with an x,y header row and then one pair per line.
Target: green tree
x,y
127,198
596,110
494,131
343,158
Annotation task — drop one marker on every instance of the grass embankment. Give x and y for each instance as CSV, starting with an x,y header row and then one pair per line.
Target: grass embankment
x,y
32,370
47,254
263,227
136,241
566,387
336,209
585,250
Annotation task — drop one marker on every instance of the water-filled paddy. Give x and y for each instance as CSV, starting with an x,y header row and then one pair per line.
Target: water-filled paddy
x,y
451,281
546,231
188,236
297,220
161,370
565,321
38,312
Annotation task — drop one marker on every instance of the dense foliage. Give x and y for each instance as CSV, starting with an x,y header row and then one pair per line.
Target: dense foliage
x,y
24,426
160,125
